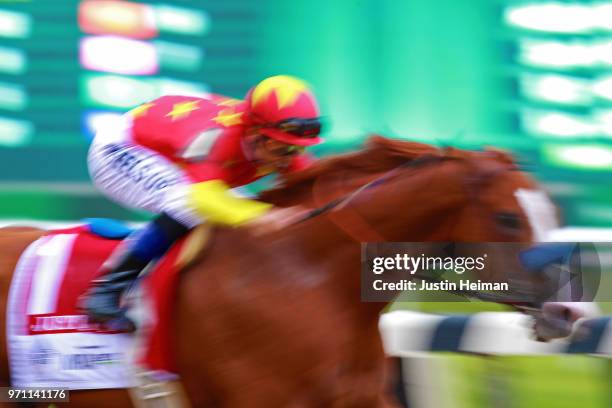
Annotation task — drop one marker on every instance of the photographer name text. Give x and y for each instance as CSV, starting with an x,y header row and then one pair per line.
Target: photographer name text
x,y
445,285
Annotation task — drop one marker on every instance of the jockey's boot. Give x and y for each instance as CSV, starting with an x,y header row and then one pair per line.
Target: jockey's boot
x,y
102,301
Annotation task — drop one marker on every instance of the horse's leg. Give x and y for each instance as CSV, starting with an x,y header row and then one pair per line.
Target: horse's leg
x,y
364,381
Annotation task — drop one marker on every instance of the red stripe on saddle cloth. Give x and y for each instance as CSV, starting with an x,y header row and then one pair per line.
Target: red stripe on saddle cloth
x,y
89,252
161,287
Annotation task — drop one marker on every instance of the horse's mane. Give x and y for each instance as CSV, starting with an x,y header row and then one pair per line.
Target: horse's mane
x,y
380,154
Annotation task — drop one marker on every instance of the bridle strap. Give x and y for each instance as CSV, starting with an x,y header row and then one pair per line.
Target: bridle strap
x,y
349,220
341,202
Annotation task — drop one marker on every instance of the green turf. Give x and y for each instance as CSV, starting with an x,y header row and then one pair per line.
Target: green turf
x,y
524,381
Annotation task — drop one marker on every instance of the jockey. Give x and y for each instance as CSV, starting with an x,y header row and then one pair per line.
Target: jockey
x,y
180,156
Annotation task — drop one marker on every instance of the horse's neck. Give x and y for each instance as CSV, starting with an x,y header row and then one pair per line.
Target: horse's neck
x,y
418,209
418,206
331,244
334,257
414,210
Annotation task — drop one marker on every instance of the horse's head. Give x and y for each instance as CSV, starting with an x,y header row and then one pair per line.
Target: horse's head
x,y
422,193
499,202
398,191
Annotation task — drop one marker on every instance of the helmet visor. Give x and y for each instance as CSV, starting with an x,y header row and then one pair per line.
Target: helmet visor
x,y
298,131
308,128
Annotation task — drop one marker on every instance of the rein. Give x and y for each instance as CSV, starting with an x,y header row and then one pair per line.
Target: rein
x,y
341,202
527,306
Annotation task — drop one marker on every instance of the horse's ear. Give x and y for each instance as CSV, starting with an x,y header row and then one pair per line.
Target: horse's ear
x,y
501,155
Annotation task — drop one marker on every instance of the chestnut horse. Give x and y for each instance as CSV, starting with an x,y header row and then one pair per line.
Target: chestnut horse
x,y
277,321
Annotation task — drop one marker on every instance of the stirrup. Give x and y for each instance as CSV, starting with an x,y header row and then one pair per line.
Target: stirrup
x,y
100,314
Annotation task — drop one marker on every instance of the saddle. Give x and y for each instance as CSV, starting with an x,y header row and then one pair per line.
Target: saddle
x,y
116,230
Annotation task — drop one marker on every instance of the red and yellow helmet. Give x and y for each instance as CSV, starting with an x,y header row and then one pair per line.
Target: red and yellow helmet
x,y
285,109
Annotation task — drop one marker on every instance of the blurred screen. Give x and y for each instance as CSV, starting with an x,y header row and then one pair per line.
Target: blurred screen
x,y
530,76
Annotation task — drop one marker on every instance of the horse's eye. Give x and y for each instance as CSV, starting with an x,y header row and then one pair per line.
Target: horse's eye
x,y
508,221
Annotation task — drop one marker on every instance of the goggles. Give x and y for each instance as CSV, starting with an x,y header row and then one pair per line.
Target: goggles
x,y
299,127
307,128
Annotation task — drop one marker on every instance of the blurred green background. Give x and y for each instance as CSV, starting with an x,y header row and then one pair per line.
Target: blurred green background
x,y
469,73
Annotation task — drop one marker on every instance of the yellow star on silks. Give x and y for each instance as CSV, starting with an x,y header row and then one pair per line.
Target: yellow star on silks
x,y
140,110
228,117
182,109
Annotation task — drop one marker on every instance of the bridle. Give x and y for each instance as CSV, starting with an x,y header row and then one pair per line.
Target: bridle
x,y
341,202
